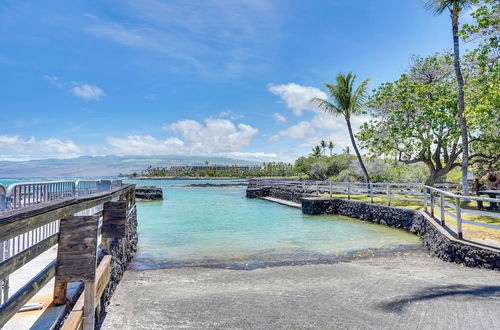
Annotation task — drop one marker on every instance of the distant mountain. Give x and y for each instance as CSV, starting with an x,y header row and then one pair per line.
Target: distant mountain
x,y
101,165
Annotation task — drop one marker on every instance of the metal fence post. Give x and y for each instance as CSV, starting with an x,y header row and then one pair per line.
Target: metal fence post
x,y
371,192
3,198
441,202
388,190
432,202
458,212
425,199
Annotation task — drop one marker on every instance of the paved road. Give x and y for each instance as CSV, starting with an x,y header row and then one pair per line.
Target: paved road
x,y
386,292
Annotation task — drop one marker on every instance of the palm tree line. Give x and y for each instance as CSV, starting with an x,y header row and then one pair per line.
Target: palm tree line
x,y
320,149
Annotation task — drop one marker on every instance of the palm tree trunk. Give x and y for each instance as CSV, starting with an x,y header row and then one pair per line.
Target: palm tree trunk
x,y
367,177
461,102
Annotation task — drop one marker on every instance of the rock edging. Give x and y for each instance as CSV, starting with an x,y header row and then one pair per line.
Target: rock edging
x,y
436,239
150,193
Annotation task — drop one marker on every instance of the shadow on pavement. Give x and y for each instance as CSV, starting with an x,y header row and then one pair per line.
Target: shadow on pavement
x,y
461,291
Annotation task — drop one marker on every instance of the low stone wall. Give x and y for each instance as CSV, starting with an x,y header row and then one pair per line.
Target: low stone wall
x,y
149,193
440,243
122,250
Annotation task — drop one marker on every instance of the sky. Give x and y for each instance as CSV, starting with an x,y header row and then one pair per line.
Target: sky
x,y
228,78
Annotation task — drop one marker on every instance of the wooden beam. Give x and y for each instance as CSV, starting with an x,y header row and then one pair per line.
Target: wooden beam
x,y
15,262
89,306
114,217
23,295
77,250
103,275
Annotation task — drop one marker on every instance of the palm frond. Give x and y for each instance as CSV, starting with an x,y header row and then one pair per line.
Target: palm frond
x,y
437,7
326,106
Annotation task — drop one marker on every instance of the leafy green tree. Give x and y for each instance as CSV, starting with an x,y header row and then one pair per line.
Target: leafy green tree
x,y
455,7
417,117
346,101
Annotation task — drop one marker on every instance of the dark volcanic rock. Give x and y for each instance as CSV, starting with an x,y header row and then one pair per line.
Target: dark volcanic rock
x,y
434,238
149,193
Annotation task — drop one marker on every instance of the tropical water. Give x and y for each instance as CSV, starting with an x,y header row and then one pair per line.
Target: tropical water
x,y
220,227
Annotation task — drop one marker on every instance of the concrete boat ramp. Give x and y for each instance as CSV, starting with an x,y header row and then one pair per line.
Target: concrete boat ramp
x,y
393,291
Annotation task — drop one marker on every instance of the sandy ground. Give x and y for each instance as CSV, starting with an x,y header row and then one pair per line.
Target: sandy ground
x,y
392,291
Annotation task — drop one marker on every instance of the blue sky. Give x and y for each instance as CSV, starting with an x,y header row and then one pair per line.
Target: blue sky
x,y
222,78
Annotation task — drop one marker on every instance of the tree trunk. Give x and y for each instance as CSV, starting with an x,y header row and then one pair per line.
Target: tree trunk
x,y
367,177
461,102
433,177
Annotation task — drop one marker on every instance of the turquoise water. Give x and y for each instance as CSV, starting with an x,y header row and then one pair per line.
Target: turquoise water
x,y
219,226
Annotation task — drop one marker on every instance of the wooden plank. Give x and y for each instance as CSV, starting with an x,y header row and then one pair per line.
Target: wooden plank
x,y
89,306
15,262
114,219
77,251
23,295
103,274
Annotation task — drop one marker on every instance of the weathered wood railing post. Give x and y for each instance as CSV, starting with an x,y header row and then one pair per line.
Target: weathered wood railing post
x,y
348,191
76,260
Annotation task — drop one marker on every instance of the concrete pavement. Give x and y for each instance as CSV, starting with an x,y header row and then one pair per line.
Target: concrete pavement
x,y
393,291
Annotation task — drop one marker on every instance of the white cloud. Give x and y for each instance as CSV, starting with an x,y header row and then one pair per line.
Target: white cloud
x,y
297,97
230,114
216,135
16,144
145,145
84,91
87,92
297,131
279,118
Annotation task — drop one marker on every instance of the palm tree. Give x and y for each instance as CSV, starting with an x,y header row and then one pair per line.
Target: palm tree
x,y
316,151
323,146
346,102
331,145
455,7
346,150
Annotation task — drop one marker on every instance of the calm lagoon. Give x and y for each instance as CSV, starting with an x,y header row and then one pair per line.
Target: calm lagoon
x,y
220,227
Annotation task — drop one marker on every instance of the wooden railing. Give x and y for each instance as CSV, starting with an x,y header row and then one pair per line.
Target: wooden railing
x,y
84,227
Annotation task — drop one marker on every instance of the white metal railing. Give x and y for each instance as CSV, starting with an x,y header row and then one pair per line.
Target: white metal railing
x,y
21,195
389,191
26,194
440,197
450,204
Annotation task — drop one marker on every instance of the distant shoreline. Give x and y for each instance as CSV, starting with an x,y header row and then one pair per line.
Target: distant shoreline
x,y
186,178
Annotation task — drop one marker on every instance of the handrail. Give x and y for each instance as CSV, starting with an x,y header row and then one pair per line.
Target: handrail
x,y
3,195
456,208
15,224
24,194
433,196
